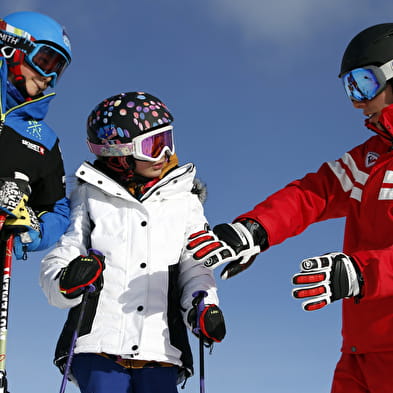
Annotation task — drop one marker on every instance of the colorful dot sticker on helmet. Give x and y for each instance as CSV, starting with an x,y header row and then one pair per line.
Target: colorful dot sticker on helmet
x,y
119,119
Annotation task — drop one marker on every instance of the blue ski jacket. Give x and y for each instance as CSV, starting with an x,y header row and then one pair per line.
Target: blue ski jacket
x,y
30,146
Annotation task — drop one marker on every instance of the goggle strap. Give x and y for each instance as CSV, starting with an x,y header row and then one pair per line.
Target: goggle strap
x,y
13,37
387,69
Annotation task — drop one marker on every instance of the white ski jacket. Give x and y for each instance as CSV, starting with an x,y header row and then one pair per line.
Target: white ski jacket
x,y
149,274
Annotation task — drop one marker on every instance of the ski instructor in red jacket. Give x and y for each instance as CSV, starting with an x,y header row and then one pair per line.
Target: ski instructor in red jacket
x,y
358,186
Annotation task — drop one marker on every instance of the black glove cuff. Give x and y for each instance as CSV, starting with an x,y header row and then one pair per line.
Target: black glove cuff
x,y
257,231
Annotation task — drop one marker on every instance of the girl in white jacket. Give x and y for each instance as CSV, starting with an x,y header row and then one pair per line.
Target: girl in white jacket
x,y
137,207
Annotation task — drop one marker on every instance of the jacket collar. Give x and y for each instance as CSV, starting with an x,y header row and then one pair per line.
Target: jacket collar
x,y
385,122
86,172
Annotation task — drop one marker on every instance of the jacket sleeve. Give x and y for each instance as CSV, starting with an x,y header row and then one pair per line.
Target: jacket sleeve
x,y
72,244
316,197
49,201
54,223
193,275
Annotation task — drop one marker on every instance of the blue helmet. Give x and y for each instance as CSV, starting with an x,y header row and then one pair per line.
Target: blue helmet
x,y
52,47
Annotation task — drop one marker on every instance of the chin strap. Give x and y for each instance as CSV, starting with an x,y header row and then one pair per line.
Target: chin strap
x,y
14,66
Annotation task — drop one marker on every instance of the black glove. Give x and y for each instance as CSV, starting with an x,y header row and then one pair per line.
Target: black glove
x,y
211,323
81,272
238,243
333,276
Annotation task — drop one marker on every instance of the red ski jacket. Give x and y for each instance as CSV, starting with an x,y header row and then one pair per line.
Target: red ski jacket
x,y
358,186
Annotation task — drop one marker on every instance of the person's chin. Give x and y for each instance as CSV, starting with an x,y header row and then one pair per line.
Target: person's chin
x,y
33,92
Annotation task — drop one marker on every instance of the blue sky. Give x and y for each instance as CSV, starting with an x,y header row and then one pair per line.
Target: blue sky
x,y
257,103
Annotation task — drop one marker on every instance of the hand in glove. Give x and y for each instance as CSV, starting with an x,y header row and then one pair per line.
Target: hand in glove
x,y
14,194
211,323
27,229
331,277
238,243
81,272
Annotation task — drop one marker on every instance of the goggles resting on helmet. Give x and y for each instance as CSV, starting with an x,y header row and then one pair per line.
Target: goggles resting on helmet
x,y
367,82
150,146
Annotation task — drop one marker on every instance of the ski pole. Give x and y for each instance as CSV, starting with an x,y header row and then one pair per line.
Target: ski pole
x,y
3,217
89,288
199,303
5,294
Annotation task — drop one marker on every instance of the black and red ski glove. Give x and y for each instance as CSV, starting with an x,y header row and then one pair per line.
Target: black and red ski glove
x,y
211,323
80,273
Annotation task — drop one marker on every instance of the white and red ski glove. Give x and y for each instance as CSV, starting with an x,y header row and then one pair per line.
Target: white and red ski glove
x,y
327,278
238,243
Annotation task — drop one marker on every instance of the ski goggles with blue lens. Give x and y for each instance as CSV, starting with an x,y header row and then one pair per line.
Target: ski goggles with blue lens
x,y
47,61
150,146
367,82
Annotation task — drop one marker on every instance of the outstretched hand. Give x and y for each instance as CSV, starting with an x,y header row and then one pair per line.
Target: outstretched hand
x,y
233,243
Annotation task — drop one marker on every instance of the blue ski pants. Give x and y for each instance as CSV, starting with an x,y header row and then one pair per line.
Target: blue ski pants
x,y
97,374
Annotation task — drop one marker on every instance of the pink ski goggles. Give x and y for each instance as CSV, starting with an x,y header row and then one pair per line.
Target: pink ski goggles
x,y
150,146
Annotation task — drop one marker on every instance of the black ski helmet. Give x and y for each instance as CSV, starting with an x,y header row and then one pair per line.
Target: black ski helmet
x,y
372,46
120,118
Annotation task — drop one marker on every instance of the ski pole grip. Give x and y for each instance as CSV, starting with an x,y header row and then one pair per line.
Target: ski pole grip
x,y
90,288
94,251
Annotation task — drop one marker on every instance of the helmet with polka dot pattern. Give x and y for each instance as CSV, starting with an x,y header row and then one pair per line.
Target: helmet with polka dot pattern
x,y
130,124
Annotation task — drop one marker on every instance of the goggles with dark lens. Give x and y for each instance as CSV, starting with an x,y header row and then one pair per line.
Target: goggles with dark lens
x,y
150,146
367,82
48,61
43,57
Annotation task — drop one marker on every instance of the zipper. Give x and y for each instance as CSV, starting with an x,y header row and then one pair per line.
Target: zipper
x,y
2,119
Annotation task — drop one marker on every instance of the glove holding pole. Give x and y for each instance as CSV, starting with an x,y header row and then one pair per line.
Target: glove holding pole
x,y
238,243
208,324
329,277
207,321
82,272
21,219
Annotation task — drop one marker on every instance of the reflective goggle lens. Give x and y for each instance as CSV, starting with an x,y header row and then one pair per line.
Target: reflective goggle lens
x,y
47,61
153,145
362,84
148,147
